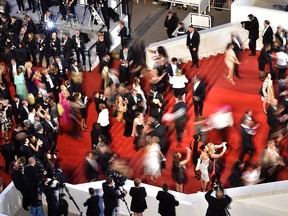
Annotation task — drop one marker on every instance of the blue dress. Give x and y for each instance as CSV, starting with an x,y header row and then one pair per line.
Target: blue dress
x,y
20,83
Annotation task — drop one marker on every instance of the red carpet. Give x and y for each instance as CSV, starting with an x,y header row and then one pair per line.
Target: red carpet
x,y
242,96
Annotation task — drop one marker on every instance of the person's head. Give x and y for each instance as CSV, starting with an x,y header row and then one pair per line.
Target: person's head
x,y
102,106
180,25
271,144
267,75
91,191
32,161
137,182
250,17
65,35
204,147
47,117
28,64
197,78
25,103
77,32
210,146
109,180
165,187
174,60
219,194
125,49
134,92
74,62
54,35
121,23
274,102
13,19
176,157
196,137
169,14
178,72
267,47
191,28
96,126
266,23
47,13
279,28
153,89
230,46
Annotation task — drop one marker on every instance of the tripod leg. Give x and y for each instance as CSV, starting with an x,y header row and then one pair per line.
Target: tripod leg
x,y
84,14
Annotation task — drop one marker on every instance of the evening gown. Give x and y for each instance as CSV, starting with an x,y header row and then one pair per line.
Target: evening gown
x,y
178,173
204,170
20,83
66,106
139,129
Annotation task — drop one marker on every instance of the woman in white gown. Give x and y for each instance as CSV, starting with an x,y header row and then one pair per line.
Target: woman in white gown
x,y
202,165
153,158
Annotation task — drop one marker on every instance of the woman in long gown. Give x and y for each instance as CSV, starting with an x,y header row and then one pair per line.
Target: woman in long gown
x,y
64,102
267,91
29,76
152,161
37,80
137,131
202,165
178,169
20,83
230,61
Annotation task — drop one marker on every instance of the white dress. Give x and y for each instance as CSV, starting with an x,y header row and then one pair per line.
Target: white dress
x,y
152,161
204,170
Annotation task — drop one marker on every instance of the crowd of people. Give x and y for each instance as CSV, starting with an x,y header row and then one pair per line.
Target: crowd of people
x,y
55,90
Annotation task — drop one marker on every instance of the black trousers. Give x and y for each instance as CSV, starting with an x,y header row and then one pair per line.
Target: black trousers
x,y
247,150
194,55
106,132
198,108
32,5
82,53
20,5
252,46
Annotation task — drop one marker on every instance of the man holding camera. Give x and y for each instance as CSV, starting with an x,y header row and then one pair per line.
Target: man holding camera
x,y
111,196
253,28
218,202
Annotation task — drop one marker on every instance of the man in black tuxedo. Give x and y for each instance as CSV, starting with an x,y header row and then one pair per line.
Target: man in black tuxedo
x,y
192,43
272,118
135,101
4,92
172,67
50,128
267,34
39,134
16,104
253,28
54,45
246,134
170,24
67,46
126,59
23,110
180,117
237,50
167,202
92,204
160,132
110,196
198,95
8,154
217,202
43,47
281,37
63,69
50,82
122,33
79,40
156,103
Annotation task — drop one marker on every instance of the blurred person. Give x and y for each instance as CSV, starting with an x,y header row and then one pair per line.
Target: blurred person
x,y
202,165
280,37
192,43
92,204
230,61
153,158
122,33
267,91
196,154
253,28
121,107
198,95
137,131
170,23
32,47
156,103
8,153
248,130
267,34
167,202
178,169
110,196
102,47
92,166
180,29
126,59
270,162
159,130
76,76
138,202
218,202
180,117
252,175
157,80
234,178
98,99
95,134
264,59
62,66
6,122
173,67
29,73
103,120
82,101
282,61
136,85
178,82
237,48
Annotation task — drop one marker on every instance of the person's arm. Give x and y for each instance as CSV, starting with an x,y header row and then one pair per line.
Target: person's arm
x,y
213,155
86,203
134,133
208,195
187,157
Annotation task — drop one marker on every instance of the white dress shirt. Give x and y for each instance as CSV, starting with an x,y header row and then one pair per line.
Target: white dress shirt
x,y
103,118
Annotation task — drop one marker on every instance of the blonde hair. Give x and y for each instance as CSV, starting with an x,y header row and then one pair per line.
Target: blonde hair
x,y
28,64
30,99
178,72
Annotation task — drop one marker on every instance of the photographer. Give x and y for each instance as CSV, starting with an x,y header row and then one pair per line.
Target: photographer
x,y
253,28
218,202
111,195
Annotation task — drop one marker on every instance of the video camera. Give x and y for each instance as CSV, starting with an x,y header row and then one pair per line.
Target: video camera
x,y
217,186
244,23
118,178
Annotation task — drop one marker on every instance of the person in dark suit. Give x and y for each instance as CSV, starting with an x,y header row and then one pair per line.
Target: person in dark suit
x,y
50,128
192,43
264,59
246,134
198,94
63,69
122,33
218,203
170,24
126,59
253,28
180,120
4,92
156,103
267,34
79,40
138,202
110,196
172,67
280,37
160,132
272,119
54,45
8,154
50,82
24,111
67,46
135,101
237,50
43,47
92,204
30,25
167,202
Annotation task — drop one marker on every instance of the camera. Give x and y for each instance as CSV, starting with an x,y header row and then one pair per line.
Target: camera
x,y
118,178
218,186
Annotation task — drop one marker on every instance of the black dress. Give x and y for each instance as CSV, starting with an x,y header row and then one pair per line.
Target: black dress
x,y
178,173
139,130
138,203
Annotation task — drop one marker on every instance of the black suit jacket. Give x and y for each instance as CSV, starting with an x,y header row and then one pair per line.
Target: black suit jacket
x,y
194,41
199,91
268,36
51,134
160,132
48,86
272,118
155,110
253,28
279,38
68,46
217,206
169,69
92,206
132,105
171,24
167,204
23,113
110,196
129,56
5,93
180,105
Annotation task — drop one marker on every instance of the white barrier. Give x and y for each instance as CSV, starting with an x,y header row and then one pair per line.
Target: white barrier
x,y
202,5
246,199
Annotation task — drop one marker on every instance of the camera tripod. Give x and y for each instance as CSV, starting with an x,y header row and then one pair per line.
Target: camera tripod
x,y
71,198
95,17
124,200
